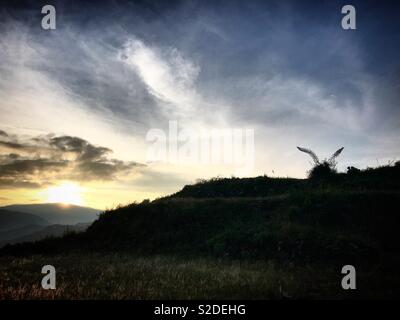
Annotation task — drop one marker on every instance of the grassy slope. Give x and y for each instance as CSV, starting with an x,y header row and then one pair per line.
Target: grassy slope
x,y
120,277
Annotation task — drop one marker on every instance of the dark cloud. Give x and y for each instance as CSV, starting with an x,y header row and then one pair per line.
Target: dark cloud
x,y
103,170
12,145
85,150
30,166
12,183
91,153
66,143
52,160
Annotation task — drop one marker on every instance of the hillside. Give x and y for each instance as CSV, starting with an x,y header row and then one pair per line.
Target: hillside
x,y
240,187
310,226
373,179
308,219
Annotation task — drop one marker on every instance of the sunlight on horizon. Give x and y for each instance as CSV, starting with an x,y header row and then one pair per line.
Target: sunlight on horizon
x,y
66,193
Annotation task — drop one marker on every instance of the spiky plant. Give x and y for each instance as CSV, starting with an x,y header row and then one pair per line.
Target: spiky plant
x,y
324,168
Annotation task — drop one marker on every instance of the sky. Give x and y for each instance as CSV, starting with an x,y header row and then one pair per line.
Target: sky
x,y
81,106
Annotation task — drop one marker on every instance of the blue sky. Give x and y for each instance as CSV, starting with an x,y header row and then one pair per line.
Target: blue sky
x,y
113,70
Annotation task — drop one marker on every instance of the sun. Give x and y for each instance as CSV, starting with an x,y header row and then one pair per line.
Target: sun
x,y
65,193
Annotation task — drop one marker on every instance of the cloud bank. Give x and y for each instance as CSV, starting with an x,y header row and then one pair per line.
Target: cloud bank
x,y
33,162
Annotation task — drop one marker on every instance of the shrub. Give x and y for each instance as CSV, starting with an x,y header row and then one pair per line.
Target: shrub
x,y
353,170
322,171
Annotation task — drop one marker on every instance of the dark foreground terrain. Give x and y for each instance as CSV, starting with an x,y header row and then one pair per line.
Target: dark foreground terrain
x,y
121,276
251,238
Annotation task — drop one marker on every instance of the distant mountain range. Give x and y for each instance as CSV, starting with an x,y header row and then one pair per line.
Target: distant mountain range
x,y
31,222
56,213
35,233
14,220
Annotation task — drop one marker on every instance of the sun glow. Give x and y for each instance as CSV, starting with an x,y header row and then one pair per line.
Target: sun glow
x,y
66,193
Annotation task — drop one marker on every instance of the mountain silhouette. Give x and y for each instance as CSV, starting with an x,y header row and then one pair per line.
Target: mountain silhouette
x,y
14,219
55,213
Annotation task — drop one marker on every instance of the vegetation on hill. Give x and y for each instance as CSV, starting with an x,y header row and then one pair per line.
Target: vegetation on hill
x,y
326,221
348,215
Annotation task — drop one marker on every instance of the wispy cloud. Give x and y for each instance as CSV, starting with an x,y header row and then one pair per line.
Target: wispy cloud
x,y
169,79
287,71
